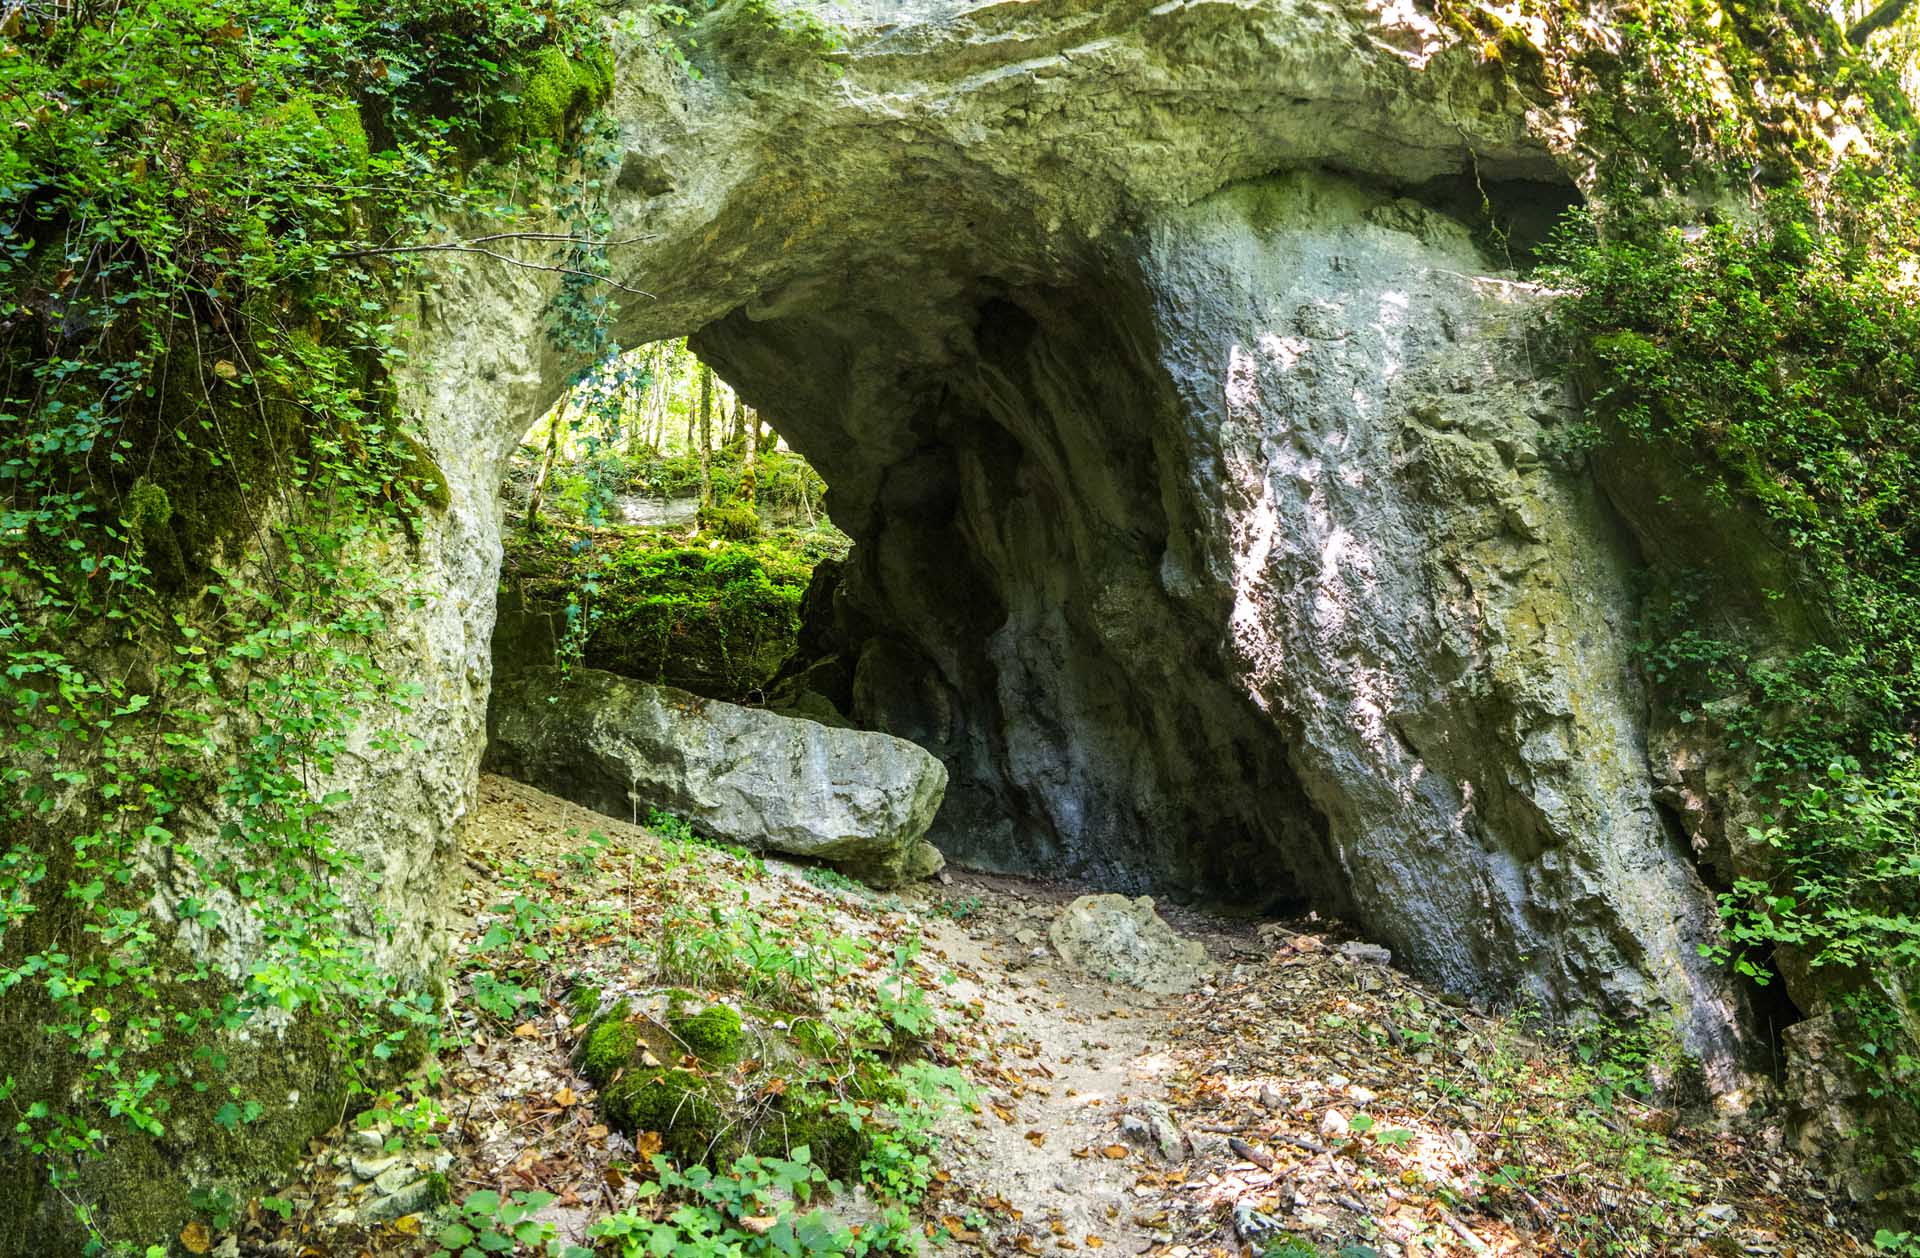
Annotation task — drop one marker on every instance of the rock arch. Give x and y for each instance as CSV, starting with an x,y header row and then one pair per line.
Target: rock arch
x,y
1203,474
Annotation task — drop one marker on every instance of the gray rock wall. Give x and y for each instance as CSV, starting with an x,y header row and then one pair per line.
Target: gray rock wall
x,y
1210,525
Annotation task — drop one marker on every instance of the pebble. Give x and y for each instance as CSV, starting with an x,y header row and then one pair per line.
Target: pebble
x,y
394,1178
374,1167
411,1199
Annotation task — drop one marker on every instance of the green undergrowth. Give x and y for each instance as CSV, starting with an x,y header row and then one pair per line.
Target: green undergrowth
x,y
1760,379
208,504
764,1060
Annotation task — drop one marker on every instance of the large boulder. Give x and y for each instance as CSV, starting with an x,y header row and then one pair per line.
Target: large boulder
x,y
859,799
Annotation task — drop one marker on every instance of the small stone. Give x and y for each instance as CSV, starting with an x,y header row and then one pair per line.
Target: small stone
x,y
1027,938
1360,1095
1720,1212
1372,954
1333,1124
368,1140
410,1199
374,1167
1125,941
1152,1126
395,1178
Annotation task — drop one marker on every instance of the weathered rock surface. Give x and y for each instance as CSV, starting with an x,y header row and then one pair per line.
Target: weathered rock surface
x,y
1203,472
860,799
1124,941
1210,524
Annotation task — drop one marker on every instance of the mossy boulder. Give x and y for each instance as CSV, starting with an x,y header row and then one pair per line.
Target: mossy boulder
x,y
681,1106
736,521
810,1119
714,1035
718,621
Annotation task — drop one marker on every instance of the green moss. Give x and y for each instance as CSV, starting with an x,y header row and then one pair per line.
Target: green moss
x,y
419,473
713,1035
718,622
736,521
556,90
814,1037
674,1103
148,509
583,1002
610,1044
807,1119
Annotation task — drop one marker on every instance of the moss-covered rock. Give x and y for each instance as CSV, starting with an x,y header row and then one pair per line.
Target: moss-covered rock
x,y
736,521
556,90
813,1120
610,1043
717,622
714,1035
680,1105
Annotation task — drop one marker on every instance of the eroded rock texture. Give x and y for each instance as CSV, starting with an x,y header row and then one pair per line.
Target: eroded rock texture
x,y
1211,526
856,798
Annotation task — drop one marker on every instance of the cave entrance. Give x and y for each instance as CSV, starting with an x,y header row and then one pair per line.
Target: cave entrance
x,y
655,525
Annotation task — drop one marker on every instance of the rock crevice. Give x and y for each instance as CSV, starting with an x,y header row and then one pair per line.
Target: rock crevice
x,y
1207,474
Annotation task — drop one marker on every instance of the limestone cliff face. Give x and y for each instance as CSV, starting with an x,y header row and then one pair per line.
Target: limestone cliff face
x,y
1213,521
1211,527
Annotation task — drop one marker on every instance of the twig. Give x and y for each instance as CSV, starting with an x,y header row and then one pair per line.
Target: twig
x,y
1461,1230
476,246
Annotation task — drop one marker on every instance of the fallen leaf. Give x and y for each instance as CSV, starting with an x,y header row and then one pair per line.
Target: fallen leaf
x,y
196,1238
1005,1115
565,1097
1036,1138
527,1031
759,1224
1115,1151
647,1143
1094,1242
225,370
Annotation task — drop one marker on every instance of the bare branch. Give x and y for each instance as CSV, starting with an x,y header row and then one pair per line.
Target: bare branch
x,y
475,245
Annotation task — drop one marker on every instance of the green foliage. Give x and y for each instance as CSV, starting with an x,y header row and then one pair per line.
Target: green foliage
x,y
201,465
489,1223
753,1211
1775,363
718,620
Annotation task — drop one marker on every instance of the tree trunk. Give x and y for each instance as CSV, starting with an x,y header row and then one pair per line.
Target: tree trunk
x,y
706,435
747,458
532,523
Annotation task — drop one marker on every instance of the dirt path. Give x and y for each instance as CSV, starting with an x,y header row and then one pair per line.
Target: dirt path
x,y
1302,1102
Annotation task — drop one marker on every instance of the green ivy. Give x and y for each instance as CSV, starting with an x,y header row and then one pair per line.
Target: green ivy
x,y
1777,364
201,470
